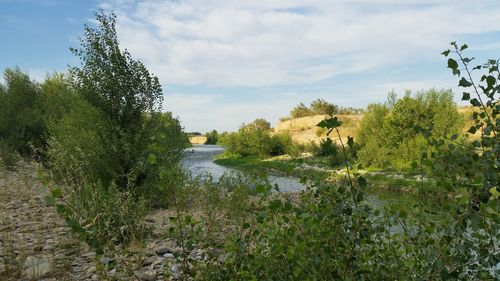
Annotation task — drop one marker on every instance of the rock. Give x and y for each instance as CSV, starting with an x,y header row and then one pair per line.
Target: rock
x,y
147,275
174,268
90,271
169,256
105,260
162,250
150,260
37,266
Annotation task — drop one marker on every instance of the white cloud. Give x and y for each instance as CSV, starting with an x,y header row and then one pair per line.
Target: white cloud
x,y
252,43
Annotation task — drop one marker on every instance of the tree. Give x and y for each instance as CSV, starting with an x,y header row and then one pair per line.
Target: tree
x,y
394,133
21,124
212,137
320,106
121,88
300,110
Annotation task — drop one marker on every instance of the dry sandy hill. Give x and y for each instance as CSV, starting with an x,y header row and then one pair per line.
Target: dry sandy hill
x,y
304,130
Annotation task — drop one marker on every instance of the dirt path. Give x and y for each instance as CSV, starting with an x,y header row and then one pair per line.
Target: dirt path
x,y
35,243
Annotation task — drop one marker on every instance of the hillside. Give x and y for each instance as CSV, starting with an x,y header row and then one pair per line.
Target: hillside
x,y
303,130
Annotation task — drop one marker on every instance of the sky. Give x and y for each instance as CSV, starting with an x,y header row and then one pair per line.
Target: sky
x,y
222,63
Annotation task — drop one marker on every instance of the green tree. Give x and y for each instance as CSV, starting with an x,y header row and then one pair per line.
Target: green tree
x,y
320,106
21,123
393,134
212,137
300,110
124,91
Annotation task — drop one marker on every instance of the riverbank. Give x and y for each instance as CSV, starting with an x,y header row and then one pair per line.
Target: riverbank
x,y
390,186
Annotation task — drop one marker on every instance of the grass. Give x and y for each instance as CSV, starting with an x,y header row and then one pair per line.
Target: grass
x,y
287,167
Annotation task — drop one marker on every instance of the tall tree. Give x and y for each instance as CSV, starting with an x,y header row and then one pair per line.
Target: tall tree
x,y
122,88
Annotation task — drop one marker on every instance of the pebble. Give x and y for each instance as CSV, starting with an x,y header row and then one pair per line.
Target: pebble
x,y
168,255
147,275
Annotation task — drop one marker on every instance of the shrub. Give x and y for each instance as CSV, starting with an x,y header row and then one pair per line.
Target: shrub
x,y
392,134
8,156
212,137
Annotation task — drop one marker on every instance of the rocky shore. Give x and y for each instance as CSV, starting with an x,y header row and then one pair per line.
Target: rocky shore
x,y
36,243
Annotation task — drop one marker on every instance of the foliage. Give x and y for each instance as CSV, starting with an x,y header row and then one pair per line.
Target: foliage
x,y
21,122
320,107
212,137
484,96
392,134
8,156
123,90
102,216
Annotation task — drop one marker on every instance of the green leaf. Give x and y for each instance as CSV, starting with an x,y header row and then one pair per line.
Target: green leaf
x,y
490,81
464,83
446,53
246,225
472,130
452,63
465,96
151,159
475,102
56,193
464,46
361,181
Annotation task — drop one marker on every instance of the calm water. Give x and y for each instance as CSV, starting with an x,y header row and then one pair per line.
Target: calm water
x,y
199,160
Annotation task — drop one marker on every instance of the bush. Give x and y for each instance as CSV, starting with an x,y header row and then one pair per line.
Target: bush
x,y
255,139
8,156
103,216
393,134
212,137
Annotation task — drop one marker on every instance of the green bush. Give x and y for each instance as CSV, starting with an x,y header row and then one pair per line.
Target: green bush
x,y
8,156
212,137
103,215
393,134
255,139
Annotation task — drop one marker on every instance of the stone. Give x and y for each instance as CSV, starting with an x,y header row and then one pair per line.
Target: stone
x,y
162,250
105,260
169,256
147,275
90,271
37,266
149,260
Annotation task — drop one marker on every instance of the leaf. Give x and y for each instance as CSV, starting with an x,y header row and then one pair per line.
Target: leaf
x,y
151,159
464,83
475,102
464,46
56,193
452,63
361,181
490,81
446,53
472,130
465,96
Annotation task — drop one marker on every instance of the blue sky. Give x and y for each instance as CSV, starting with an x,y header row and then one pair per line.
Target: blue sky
x,y
225,62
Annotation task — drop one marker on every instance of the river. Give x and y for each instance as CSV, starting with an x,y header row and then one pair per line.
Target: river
x,y
199,160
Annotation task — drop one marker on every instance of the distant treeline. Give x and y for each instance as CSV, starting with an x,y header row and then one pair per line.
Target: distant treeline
x,y
320,107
